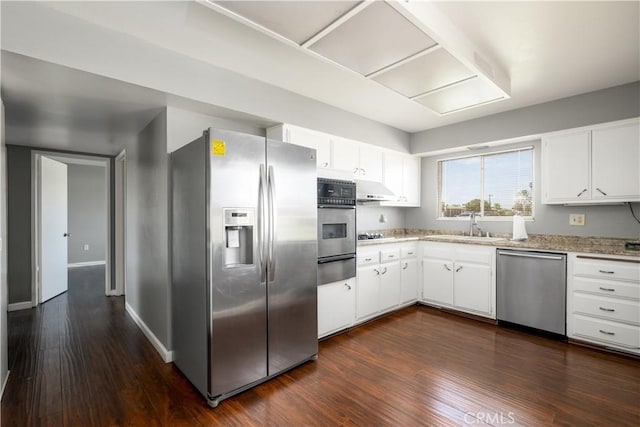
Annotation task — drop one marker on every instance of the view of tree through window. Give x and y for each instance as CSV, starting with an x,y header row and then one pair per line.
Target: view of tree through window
x,y
498,184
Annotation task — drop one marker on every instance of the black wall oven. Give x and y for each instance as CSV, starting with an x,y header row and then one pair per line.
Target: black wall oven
x,y
336,230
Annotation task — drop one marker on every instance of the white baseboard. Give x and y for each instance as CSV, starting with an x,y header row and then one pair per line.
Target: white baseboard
x,y
85,264
20,306
4,385
166,355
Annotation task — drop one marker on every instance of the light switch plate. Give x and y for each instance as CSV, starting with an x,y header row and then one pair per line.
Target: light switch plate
x,y
576,219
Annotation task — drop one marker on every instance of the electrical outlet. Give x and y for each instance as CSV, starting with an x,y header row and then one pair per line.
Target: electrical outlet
x,y
85,247
576,219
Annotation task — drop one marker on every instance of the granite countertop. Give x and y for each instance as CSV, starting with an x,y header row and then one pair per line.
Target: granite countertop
x,y
547,242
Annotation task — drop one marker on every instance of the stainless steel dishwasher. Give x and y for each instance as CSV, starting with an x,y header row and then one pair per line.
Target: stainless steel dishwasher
x,y
531,289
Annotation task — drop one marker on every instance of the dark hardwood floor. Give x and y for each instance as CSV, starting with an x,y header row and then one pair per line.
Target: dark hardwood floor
x,y
79,360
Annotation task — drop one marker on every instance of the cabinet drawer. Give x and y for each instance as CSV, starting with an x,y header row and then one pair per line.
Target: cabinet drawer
x,y
408,252
610,308
607,269
368,258
603,330
611,288
474,255
390,255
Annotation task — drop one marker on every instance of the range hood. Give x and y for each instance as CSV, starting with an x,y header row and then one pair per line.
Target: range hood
x,y
370,191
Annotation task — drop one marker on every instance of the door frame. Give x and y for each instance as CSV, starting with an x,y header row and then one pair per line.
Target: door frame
x,y
36,243
120,223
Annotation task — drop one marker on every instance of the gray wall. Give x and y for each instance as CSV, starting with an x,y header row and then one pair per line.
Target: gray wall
x,y
4,365
611,104
602,221
87,212
368,217
18,223
147,221
616,103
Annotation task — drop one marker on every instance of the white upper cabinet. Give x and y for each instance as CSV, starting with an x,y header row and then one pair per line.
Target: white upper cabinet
x,y
591,166
346,155
566,168
370,163
306,138
615,156
402,176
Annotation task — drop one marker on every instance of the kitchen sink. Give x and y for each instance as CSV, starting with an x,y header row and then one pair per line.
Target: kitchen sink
x,y
466,238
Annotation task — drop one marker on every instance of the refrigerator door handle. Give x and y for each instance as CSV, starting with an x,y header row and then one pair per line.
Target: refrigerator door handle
x,y
262,229
271,186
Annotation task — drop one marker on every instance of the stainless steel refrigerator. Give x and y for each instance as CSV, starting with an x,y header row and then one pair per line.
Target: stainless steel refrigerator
x,y
244,262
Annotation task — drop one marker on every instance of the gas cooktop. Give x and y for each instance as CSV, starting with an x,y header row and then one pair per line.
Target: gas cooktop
x,y
370,236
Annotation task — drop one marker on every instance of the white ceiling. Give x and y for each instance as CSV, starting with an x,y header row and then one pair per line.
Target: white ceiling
x,y
549,50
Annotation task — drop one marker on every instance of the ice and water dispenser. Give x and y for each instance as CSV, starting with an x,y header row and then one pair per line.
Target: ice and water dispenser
x,y
238,237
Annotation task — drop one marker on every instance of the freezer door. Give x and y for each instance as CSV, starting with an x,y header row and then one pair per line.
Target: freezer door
x,y
292,250
238,317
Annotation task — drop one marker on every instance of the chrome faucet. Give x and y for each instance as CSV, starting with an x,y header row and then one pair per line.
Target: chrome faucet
x,y
473,223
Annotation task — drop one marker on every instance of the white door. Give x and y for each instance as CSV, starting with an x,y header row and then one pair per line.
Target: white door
x,y
53,228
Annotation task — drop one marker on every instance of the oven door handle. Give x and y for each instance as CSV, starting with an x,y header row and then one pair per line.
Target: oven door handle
x,y
335,258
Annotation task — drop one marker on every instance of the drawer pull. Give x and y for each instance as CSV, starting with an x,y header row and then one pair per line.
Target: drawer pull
x,y
391,256
607,332
447,267
606,272
607,289
610,310
409,253
367,259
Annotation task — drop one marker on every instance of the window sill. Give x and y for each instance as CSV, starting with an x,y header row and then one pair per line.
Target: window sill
x,y
485,219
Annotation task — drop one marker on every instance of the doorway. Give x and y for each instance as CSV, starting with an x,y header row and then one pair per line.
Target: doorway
x,y
65,200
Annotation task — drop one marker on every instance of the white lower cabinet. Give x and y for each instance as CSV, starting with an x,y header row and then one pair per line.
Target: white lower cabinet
x,y
603,301
336,306
387,278
460,277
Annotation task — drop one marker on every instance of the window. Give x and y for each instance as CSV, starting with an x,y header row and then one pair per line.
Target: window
x,y
489,185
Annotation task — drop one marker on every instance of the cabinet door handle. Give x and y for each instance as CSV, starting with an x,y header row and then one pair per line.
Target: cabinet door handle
x,y
607,289
458,269
606,272
405,266
385,270
377,271
355,171
364,172
581,193
610,310
325,165
606,332
601,192
447,267
348,286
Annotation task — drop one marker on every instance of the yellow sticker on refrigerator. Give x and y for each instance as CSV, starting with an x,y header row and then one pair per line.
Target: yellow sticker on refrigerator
x,y
218,147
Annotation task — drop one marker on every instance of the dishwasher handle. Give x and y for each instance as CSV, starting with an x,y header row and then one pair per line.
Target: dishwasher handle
x,y
531,255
